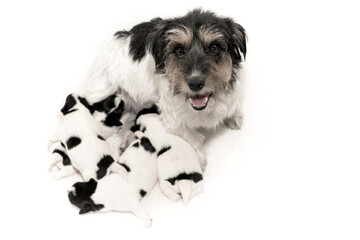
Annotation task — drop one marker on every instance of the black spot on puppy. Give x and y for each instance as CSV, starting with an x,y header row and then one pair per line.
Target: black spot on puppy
x,y
101,138
86,104
81,196
152,109
125,166
142,193
103,166
72,142
136,144
145,142
62,144
113,118
135,128
105,105
195,177
70,102
163,150
66,160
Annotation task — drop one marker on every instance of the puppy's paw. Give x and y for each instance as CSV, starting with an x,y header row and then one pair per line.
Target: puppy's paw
x,y
234,122
169,191
148,222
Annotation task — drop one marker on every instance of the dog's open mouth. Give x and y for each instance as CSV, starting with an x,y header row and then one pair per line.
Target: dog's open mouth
x,y
199,102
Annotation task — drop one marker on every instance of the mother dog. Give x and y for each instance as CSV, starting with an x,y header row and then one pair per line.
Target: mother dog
x,y
188,65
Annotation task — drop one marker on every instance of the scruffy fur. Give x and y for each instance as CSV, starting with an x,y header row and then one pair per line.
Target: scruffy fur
x,y
189,65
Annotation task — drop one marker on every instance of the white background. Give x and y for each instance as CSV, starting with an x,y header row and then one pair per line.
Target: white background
x,y
292,172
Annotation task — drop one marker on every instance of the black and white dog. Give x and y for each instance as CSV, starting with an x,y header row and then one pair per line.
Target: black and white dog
x,y
189,65
80,137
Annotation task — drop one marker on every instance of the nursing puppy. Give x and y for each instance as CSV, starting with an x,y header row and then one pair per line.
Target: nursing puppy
x,y
179,170
140,160
189,65
111,193
87,150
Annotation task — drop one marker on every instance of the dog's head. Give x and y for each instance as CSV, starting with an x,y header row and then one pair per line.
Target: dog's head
x,y
199,53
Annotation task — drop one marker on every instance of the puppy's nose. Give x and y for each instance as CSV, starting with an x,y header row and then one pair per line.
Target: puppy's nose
x,y
196,84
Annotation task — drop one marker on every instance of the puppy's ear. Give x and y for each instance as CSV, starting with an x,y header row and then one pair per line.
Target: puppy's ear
x,y
237,43
70,102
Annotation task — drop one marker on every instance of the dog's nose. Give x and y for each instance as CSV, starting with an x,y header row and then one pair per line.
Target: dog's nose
x,y
196,83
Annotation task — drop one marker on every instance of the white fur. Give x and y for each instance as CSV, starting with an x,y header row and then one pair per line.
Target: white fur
x,y
85,156
114,68
180,158
116,194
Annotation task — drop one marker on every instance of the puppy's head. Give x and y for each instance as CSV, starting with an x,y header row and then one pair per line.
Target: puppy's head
x,y
148,118
109,111
199,53
80,193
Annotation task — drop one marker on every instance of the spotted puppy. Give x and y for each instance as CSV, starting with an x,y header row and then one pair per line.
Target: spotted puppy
x,y
140,160
111,193
87,150
179,170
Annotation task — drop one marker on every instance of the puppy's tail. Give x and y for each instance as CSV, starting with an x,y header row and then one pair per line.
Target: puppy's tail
x,y
185,187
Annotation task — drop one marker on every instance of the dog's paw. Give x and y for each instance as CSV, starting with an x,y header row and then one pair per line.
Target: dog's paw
x,y
234,122
202,157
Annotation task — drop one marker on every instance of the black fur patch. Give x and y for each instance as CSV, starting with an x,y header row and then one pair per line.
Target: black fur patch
x,y
135,128
139,34
101,137
145,142
103,166
82,196
84,102
125,166
195,177
70,102
163,150
105,105
72,142
142,193
113,119
62,144
152,109
136,144
66,160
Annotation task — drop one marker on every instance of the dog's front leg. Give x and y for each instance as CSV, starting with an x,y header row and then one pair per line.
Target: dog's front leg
x,y
235,121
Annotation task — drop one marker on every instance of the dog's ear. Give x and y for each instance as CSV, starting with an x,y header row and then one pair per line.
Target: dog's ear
x,y
157,45
237,42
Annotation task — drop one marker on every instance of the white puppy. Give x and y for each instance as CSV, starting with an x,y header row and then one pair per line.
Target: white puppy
x,y
86,148
111,193
140,160
179,170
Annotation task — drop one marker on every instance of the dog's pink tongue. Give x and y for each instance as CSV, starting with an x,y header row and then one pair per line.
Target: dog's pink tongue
x,y
198,101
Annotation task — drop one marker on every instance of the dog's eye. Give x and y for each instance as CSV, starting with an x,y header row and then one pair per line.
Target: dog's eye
x,y
214,48
179,50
